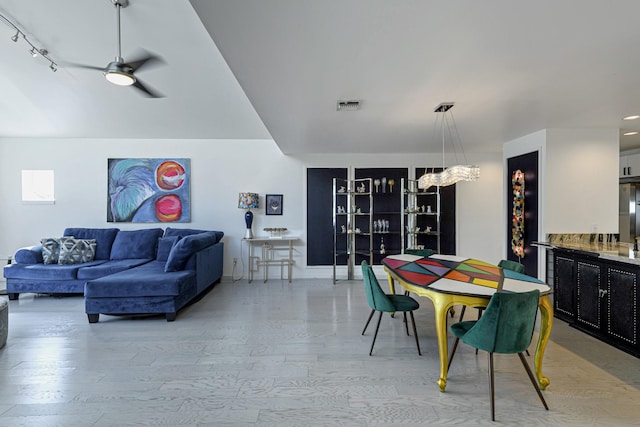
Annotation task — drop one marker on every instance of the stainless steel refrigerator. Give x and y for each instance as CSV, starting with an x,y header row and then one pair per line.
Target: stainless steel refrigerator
x,y
629,217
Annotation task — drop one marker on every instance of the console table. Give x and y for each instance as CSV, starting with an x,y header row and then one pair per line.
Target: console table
x,y
271,248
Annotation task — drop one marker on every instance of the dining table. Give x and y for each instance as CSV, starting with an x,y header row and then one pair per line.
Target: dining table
x,y
449,280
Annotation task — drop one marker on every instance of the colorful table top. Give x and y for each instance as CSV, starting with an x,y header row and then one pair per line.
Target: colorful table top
x,y
454,274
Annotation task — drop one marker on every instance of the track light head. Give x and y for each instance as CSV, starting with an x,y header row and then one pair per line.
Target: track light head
x,y
33,52
14,38
53,67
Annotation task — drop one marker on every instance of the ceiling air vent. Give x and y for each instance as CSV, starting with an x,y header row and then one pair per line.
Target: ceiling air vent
x,y
348,105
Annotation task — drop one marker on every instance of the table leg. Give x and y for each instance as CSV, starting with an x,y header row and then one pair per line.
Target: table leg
x,y
250,252
290,263
266,256
392,284
546,317
441,304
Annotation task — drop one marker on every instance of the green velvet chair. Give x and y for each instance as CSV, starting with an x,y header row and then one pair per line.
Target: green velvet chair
x,y
419,252
511,265
386,303
505,327
505,264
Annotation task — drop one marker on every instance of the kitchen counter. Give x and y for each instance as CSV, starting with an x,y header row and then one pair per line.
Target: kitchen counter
x,y
613,251
596,286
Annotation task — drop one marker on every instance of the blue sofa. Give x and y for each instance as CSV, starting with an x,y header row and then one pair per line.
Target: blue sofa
x,y
132,272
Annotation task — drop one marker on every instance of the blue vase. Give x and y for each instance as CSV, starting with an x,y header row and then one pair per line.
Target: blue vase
x,y
248,218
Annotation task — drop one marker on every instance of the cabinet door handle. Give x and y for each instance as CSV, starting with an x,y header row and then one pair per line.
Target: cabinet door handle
x,y
602,293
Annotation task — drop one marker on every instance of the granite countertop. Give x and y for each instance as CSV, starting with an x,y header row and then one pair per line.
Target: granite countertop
x,y
614,251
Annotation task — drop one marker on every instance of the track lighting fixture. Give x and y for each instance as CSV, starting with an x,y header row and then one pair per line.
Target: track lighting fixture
x,y
34,51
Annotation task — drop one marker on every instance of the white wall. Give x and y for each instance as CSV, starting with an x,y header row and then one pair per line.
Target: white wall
x,y
578,178
582,181
220,170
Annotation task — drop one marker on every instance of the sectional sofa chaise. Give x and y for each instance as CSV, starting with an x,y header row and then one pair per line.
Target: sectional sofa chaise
x,y
121,272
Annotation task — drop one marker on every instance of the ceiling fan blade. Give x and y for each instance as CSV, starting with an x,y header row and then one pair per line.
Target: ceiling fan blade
x,y
147,91
76,65
144,62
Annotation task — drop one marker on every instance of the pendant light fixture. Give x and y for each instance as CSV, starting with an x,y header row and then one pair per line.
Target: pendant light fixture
x,y
452,174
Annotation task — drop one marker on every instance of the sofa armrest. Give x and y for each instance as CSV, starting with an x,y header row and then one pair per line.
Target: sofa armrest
x,y
208,263
29,255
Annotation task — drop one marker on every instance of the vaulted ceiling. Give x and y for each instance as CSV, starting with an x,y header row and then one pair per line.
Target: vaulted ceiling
x,y
262,69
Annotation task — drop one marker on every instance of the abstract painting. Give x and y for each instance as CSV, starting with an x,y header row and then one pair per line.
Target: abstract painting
x,y
149,190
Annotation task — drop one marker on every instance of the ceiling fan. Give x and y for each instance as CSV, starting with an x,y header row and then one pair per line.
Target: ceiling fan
x,y
122,73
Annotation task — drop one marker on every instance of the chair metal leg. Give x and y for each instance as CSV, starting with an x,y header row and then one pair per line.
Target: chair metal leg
x,y
368,320
533,380
406,325
415,332
376,334
491,388
464,308
480,310
453,351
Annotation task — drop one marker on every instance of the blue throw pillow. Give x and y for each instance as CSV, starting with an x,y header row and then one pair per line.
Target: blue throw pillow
x,y
104,238
76,251
136,244
164,247
29,255
50,249
187,246
182,232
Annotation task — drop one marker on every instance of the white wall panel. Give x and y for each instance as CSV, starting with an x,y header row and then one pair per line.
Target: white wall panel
x,y
220,170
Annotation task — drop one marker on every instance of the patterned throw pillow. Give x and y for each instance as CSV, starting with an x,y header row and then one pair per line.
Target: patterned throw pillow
x,y
76,251
50,249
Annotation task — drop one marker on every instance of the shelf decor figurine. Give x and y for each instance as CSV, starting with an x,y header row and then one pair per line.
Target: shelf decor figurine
x,y
248,201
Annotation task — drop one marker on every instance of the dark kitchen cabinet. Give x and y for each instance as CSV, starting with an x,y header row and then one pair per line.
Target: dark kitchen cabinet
x,y
621,299
589,294
564,287
599,297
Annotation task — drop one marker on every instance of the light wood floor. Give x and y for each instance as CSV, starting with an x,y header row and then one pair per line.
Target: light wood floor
x,y
280,354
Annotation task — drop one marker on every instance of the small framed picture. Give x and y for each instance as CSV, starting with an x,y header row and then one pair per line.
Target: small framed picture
x,y
274,204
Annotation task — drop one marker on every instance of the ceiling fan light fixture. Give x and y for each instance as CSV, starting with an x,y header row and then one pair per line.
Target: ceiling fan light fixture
x,y
120,79
119,74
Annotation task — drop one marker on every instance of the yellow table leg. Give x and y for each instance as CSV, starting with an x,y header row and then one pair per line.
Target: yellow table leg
x,y
441,304
546,317
392,284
